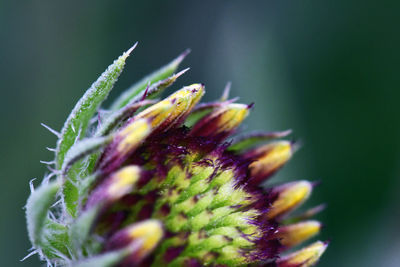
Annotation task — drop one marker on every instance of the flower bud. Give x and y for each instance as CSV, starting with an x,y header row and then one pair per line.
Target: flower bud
x,y
305,257
124,144
114,187
131,136
222,121
294,234
142,237
268,159
289,197
172,110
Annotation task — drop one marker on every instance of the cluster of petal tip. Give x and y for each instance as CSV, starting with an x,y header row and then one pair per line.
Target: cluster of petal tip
x,y
165,183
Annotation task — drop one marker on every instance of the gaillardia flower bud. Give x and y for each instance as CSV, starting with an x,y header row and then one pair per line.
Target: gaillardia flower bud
x,y
164,183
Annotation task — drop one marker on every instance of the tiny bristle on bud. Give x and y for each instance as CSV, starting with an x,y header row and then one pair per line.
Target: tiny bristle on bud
x,y
295,234
305,257
222,121
143,236
268,159
289,197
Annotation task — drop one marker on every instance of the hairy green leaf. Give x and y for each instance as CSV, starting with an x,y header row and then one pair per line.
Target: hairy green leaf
x,y
37,208
78,121
83,148
76,192
78,151
55,240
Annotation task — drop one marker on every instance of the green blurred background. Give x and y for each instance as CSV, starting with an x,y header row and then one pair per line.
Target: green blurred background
x,y
329,70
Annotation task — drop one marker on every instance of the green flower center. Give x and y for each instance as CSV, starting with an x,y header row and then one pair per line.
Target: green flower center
x,y
193,186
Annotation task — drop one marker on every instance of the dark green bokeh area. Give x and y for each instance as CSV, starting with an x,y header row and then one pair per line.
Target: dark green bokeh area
x,y
327,69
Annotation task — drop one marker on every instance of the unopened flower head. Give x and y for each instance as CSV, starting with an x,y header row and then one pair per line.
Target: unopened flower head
x,y
167,183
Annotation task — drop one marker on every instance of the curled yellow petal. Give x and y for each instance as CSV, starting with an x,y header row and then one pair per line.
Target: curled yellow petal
x,y
290,196
149,233
123,181
139,239
221,121
114,187
232,116
294,234
174,107
268,159
305,257
132,135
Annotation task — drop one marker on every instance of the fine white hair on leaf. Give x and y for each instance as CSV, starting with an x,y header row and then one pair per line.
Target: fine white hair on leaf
x,y
52,217
60,254
54,171
78,136
51,130
47,162
56,203
31,186
47,177
29,254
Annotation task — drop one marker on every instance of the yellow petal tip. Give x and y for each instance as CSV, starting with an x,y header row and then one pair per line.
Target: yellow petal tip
x,y
305,257
290,196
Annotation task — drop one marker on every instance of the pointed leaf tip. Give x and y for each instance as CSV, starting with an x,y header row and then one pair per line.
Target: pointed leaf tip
x,y
157,76
182,56
179,74
227,89
128,53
